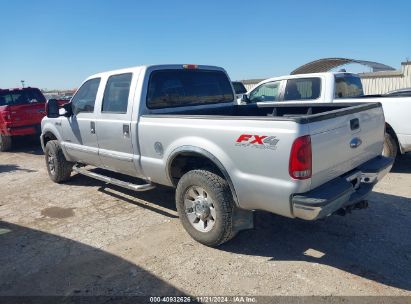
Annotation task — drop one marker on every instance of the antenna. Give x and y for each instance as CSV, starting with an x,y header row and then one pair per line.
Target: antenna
x,y
22,83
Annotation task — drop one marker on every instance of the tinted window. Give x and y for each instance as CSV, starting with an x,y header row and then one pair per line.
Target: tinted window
x,y
302,89
348,86
176,88
239,88
23,96
266,92
116,93
85,97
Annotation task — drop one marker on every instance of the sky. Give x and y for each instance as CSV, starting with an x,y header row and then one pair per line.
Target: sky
x,y
57,44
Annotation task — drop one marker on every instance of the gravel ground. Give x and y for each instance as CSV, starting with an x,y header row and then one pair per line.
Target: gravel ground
x,y
82,238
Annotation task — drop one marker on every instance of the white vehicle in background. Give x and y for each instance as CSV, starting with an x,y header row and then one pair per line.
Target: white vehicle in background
x,y
337,87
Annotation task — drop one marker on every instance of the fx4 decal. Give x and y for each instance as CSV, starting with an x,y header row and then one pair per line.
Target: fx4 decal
x,y
257,141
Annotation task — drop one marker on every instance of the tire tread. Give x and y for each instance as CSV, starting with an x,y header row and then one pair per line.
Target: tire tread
x,y
224,197
5,143
63,168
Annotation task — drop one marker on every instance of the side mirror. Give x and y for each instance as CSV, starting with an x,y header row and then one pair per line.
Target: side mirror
x,y
68,109
245,98
52,108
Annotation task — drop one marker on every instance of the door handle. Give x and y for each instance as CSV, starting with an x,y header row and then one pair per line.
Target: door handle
x,y
126,130
92,127
354,124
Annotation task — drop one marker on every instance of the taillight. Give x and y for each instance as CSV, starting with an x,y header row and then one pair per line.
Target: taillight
x,y
6,115
301,158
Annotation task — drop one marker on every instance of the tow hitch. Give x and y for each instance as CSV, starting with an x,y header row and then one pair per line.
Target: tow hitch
x,y
357,206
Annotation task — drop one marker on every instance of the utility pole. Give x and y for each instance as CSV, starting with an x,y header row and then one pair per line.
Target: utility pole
x,y
22,83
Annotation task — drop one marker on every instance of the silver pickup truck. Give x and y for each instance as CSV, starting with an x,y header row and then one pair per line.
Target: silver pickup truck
x,y
178,125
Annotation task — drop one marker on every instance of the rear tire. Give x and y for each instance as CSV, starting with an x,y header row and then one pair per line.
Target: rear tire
x,y
5,143
58,168
206,207
390,146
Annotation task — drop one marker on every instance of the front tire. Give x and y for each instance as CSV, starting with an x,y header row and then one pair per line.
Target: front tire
x,y
5,143
205,206
390,146
58,168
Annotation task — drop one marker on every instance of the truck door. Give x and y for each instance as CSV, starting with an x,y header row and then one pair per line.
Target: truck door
x,y
114,126
79,130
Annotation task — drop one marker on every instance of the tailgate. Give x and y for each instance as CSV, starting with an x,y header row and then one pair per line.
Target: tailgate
x,y
342,143
26,114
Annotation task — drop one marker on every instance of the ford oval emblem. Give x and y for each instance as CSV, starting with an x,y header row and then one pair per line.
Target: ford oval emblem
x,y
355,143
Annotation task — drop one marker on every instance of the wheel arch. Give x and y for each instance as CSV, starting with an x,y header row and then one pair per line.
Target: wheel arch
x,y
50,132
389,129
47,136
186,158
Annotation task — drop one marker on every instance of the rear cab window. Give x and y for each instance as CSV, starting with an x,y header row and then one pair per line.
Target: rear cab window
x,y
348,86
188,87
21,96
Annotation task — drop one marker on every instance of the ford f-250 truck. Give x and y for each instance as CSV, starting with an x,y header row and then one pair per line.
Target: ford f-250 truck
x,y
178,125
21,111
338,87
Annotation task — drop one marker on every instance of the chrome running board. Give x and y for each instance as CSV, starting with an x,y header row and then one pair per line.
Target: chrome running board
x,y
113,181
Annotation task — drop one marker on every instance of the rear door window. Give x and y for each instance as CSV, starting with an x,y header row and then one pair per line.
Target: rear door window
x,y
115,98
302,89
177,88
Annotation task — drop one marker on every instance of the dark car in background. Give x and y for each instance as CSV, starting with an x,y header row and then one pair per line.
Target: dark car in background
x,y
239,89
21,111
400,92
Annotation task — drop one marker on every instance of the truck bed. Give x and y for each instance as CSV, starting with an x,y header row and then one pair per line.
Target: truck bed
x,y
304,113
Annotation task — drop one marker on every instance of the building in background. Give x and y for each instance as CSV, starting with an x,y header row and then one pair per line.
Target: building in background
x,y
250,83
386,81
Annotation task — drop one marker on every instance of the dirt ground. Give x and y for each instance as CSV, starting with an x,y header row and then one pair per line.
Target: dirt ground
x,y
84,238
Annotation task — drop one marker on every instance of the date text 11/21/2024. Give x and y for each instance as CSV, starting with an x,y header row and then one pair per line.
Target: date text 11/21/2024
x,y
203,299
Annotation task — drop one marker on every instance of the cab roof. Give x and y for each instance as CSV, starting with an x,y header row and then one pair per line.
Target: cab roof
x,y
155,67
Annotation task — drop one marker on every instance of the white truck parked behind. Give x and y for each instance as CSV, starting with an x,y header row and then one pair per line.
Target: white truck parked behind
x,y
338,87
177,125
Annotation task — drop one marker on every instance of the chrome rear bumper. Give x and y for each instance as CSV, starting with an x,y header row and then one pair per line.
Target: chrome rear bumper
x,y
341,192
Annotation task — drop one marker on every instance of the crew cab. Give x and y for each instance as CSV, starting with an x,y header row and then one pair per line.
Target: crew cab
x,y
178,126
338,87
21,112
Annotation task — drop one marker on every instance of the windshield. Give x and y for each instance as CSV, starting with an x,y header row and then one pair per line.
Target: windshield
x,y
348,86
239,88
177,88
19,97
